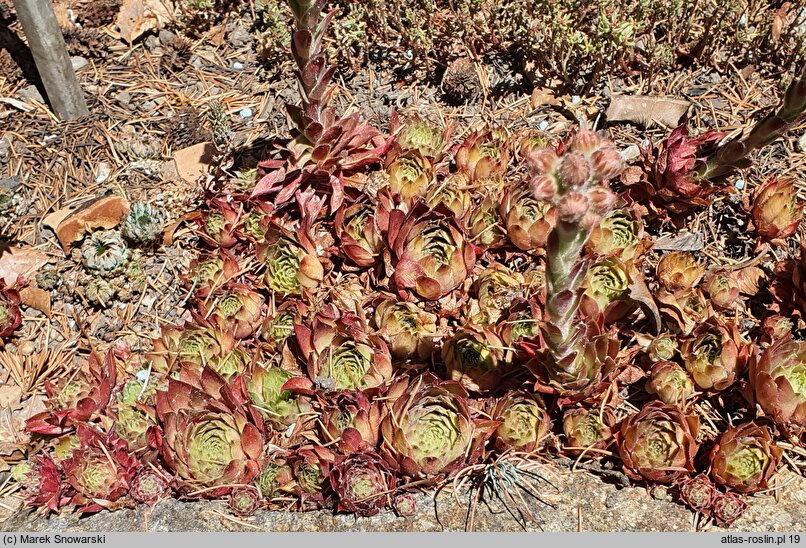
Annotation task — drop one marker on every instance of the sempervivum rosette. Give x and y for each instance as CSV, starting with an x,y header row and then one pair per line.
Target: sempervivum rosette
x,y
698,493
607,288
670,382
778,379
715,354
410,174
453,193
210,438
339,353
496,288
428,430
658,443
279,407
311,465
279,324
10,317
483,154
587,429
409,330
235,309
291,264
363,483
99,470
219,225
42,481
473,357
361,240
433,255
524,421
745,458
620,234
528,220
350,418
484,224
208,273
776,211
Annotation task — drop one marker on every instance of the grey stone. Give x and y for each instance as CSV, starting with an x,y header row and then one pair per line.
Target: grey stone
x,y
78,62
580,502
166,36
30,93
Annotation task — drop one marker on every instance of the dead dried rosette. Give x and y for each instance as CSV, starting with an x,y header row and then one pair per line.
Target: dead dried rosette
x,y
679,271
670,382
363,483
409,330
474,358
527,219
429,430
776,211
744,458
433,257
361,240
715,354
524,421
658,443
587,429
339,353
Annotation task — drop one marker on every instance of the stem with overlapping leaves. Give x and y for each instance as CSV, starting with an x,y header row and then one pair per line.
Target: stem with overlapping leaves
x,y
575,183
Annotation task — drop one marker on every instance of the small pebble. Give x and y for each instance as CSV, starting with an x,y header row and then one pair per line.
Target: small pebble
x,y
630,153
142,375
802,143
78,62
575,99
246,113
739,184
237,65
543,126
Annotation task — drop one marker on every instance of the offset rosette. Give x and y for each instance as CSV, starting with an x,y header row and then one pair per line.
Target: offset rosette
x,y
429,430
670,382
339,353
776,210
778,379
290,266
715,354
363,483
745,458
524,421
408,330
433,256
587,429
236,309
361,240
474,358
658,443
527,219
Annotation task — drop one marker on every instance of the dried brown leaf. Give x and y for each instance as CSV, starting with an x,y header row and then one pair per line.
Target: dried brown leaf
x,y
20,261
645,109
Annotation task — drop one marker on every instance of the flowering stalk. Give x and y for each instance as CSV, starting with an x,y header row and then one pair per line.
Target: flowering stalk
x,y
575,182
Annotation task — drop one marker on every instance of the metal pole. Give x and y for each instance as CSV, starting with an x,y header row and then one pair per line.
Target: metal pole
x,y
52,61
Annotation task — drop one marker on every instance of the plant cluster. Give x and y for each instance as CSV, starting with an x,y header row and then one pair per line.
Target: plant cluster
x,y
385,312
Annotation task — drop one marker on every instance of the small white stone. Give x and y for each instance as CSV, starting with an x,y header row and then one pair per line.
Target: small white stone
x,y
237,65
630,153
543,126
246,113
575,99
739,184
802,143
142,375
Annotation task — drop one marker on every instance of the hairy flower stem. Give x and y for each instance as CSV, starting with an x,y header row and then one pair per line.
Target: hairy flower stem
x,y
565,273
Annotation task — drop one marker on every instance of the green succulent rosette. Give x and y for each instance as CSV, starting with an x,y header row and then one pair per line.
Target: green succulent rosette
x,y
620,234
778,379
474,358
524,421
104,252
745,458
280,407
